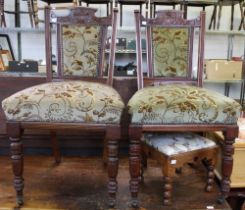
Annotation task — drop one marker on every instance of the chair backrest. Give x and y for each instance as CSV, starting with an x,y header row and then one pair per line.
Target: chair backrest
x,y
169,50
81,43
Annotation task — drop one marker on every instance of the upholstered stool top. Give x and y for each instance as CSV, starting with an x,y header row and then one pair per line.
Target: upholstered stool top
x,y
176,143
182,104
66,101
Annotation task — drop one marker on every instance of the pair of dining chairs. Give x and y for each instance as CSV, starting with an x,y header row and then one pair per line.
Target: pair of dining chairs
x,y
169,99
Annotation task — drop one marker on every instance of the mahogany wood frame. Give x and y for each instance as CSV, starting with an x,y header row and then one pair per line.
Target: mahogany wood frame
x,y
112,132
230,131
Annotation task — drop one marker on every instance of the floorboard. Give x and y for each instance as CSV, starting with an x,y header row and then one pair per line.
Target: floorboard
x,y
79,183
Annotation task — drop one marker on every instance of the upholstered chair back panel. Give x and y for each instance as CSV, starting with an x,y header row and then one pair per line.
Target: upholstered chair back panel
x,y
170,49
80,50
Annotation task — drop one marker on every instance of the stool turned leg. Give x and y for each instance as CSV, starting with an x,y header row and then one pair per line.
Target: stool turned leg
x,y
167,194
211,175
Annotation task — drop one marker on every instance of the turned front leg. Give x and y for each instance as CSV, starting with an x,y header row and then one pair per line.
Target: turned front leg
x,y
16,150
134,164
227,161
112,149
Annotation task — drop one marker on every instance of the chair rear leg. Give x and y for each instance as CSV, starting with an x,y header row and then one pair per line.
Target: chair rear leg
x,y
105,152
55,147
16,149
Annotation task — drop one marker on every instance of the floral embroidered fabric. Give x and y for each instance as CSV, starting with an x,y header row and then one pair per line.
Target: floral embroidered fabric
x,y
67,101
176,143
80,49
170,51
178,103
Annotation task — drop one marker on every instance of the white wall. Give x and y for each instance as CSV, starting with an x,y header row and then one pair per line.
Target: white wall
x,y
216,45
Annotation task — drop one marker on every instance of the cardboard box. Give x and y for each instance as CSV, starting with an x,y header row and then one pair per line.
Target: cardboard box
x,y
223,70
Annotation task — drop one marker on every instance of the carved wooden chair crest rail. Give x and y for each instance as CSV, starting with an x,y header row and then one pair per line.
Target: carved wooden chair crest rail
x,y
77,97
171,97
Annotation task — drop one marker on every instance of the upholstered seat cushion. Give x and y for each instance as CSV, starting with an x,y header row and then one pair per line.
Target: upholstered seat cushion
x,y
66,101
176,143
178,103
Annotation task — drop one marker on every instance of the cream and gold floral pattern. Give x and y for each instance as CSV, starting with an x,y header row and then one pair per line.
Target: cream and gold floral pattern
x,y
176,143
178,103
170,51
80,49
67,101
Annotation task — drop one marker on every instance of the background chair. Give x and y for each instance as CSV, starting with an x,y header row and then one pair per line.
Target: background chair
x,y
88,104
32,12
232,4
155,3
198,3
129,2
171,97
242,19
108,4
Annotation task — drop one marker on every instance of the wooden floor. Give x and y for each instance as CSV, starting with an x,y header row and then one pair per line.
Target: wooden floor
x,y
80,184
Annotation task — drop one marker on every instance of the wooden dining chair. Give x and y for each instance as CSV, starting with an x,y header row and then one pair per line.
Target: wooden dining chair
x,y
77,97
171,97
